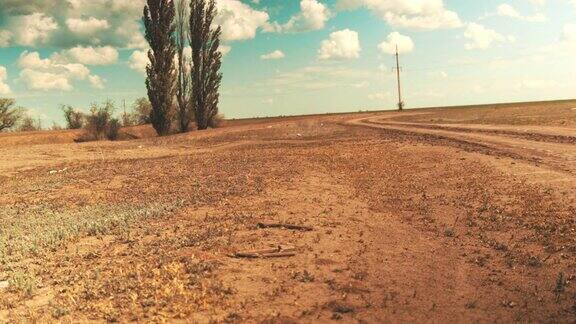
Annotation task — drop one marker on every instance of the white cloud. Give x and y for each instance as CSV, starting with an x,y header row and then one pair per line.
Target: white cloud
x,y
480,37
88,26
343,44
313,15
508,10
404,43
105,55
238,20
275,55
84,22
37,80
30,30
96,81
224,49
4,87
138,61
413,14
48,74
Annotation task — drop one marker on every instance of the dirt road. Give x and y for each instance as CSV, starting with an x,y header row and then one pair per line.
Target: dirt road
x,y
551,149
413,220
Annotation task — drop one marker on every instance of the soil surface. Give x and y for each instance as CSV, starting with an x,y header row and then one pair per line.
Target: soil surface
x,y
438,215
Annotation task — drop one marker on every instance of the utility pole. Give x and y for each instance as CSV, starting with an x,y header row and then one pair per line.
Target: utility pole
x,y
400,103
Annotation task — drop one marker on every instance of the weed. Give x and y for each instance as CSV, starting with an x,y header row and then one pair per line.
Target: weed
x,y
23,282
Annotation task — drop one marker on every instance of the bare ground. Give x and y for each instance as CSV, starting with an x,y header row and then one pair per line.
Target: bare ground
x,y
427,216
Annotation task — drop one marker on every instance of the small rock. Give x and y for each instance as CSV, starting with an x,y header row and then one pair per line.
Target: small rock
x,y
53,172
4,284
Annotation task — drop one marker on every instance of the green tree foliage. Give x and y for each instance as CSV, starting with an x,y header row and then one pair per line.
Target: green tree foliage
x,y
74,118
206,61
161,72
185,113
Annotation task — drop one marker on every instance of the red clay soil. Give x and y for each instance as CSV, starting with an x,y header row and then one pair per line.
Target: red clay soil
x,y
413,221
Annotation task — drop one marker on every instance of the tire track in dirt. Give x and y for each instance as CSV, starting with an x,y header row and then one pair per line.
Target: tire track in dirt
x,y
555,158
532,136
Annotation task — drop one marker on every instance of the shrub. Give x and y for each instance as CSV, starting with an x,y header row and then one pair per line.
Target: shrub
x,y
74,118
9,115
100,124
113,129
29,124
142,110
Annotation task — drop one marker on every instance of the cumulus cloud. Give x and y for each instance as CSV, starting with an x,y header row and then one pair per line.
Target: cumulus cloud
x,y
88,26
239,21
313,15
29,30
480,37
49,74
395,39
342,44
275,55
96,81
138,61
508,10
412,14
67,23
104,55
4,87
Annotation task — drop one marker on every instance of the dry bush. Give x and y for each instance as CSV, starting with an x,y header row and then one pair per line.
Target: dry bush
x,y
74,118
9,115
29,124
100,125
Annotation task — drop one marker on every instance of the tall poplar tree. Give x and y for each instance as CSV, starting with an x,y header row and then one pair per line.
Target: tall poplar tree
x,y
161,71
206,61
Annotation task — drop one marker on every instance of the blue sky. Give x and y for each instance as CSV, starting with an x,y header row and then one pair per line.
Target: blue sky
x,y
285,57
